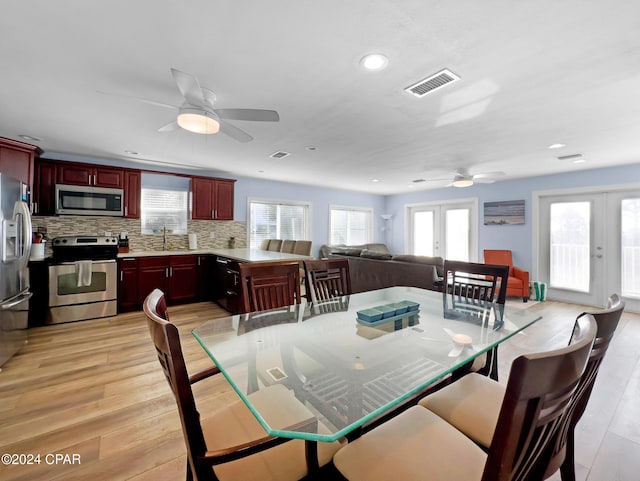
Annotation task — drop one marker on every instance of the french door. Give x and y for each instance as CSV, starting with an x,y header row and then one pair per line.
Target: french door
x,y
448,230
589,247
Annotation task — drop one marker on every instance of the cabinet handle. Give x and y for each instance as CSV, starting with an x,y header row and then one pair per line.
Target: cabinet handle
x,y
213,214
171,271
126,210
35,207
198,261
166,272
121,276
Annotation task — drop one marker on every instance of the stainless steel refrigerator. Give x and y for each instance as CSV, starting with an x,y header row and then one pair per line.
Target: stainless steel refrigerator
x,y
15,247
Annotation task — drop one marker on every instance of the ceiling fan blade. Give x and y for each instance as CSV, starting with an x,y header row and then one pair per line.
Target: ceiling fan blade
x,y
139,99
234,132
173,125
248,114
486,175
189,87
483,180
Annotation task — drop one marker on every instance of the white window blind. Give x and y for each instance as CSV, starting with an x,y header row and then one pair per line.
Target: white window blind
x,y
277,220
164,209
350,225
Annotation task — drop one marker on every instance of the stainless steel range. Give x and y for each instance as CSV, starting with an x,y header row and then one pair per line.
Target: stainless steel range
x,y
83,278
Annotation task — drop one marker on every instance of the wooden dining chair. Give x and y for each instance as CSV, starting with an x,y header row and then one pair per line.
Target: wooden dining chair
x,y
230,444
327,278
472,403
418,444
469,285
267,285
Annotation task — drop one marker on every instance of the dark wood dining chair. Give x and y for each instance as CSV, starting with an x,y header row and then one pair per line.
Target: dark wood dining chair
x,y
418,444
268,285
468,286
327,278
230,444
471,404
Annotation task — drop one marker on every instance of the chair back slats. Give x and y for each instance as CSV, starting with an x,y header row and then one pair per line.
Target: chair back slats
x,y
167,343
268,285
469,281
538,391
327,279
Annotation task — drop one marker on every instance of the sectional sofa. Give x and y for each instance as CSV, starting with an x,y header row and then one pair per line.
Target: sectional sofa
x,y
372,266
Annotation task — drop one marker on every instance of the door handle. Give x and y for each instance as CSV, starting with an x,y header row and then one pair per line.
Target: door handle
x,y
598,256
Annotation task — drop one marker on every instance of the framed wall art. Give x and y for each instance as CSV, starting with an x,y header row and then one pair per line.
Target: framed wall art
x,y
508,212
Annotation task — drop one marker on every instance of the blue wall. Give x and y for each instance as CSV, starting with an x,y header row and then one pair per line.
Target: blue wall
x,y
518,238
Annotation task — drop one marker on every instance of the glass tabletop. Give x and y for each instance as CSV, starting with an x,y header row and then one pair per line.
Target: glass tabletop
x,y
346,361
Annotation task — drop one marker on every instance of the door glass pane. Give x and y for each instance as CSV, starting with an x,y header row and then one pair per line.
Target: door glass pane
x,y
630,248
570,245
457,238
423,233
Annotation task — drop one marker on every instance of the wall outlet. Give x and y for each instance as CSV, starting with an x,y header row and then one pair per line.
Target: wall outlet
x,y
212,235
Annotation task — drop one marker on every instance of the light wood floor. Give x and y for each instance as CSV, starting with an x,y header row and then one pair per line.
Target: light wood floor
x,y
95,389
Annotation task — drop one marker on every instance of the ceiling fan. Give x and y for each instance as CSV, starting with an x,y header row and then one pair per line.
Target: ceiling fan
x,y
462,178
197,113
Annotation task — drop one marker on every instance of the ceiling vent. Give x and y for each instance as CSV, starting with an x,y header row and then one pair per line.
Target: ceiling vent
x,y
569,157
430,84
279,155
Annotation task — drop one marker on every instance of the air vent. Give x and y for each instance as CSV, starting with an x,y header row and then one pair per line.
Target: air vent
x,y
569,157
430,84
279,155
417,181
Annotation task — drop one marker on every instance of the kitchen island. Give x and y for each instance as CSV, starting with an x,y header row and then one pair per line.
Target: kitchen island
x,y
188,275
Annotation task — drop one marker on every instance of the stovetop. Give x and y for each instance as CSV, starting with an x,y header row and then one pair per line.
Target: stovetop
x,y
84,247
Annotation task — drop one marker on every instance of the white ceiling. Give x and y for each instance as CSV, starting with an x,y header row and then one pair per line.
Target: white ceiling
x,y
533,73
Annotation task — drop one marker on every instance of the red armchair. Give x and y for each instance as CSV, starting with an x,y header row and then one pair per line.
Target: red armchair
x,y
518,283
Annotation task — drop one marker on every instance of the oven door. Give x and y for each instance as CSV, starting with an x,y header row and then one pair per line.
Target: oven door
x,y
65,288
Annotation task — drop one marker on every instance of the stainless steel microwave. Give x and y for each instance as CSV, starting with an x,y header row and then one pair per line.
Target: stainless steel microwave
x,y
85,200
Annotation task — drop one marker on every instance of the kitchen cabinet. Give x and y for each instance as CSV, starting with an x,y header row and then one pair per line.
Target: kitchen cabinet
x,y
212,198
132,194
73,173
203,277
226,285
175,275
44,192
128,284
17,159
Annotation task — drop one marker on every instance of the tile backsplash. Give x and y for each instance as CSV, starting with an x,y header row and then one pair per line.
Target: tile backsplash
x,y
97,225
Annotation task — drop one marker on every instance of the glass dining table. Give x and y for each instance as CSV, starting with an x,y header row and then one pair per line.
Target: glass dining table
x,y
347,361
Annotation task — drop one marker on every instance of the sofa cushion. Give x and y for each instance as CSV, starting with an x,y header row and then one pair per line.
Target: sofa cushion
x,y
375,254
436,261
377,248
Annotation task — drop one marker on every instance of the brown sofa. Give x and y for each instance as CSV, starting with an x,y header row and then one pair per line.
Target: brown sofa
x,y
372,266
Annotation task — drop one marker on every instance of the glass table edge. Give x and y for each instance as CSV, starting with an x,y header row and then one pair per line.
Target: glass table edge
x,y
371,416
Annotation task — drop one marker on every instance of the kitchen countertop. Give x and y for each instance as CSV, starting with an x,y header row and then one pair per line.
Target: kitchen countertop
x,y
240,254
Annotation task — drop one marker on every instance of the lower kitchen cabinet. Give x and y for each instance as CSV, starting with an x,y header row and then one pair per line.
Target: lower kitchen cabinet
x,y
128,284
204,287
175,275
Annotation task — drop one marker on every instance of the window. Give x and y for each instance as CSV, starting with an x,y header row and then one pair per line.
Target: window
x,y
164,203
272,219
350,225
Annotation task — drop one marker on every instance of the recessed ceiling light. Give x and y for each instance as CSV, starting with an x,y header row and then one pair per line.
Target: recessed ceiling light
x,y
311,147
131,152
557,146
29,137
375,180
579,161
374,61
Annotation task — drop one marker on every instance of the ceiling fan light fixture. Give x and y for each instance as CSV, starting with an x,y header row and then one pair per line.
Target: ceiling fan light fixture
x,y
198,121
460,181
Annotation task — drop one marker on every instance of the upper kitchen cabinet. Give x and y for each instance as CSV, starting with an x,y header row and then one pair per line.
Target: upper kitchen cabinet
x,y
88,174
16,159
132,194
212,198
44,191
